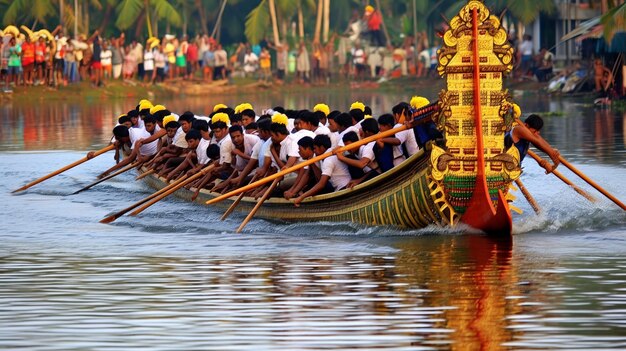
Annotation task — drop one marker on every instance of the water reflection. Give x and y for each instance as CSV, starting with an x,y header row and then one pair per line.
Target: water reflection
x,y
460,293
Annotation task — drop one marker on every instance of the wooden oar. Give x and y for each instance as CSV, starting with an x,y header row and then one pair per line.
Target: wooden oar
x,y
124,169
423,111
235,203
258,205
172,190
558,174
592,183
145,174
118,214
61,170
528,196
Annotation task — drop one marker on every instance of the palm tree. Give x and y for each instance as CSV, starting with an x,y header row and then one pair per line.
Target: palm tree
x,y
318,21
274,21
21,11
524,11
614,21
129,12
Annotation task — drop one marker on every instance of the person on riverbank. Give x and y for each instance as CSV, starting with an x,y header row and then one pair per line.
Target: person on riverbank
x,y
28,60
14,64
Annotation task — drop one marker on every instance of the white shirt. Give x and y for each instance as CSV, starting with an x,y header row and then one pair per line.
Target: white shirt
x,y
221,58
349,129
526,47
249,143
337,171
203,159
148,149
288,148
367,151
105,57
226,149
301,134
148,60
407,137
179,138
323,130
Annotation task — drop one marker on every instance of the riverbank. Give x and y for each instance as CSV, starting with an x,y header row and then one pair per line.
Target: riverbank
x,y
238,86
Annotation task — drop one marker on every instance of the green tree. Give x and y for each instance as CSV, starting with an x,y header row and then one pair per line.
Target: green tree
x,y
130,12
614,21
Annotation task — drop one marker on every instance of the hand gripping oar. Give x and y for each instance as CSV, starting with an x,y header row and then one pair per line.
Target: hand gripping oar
x,y
592,183
419,113
235,203
172,190
528,196
61,170
558,174
258,205
124,169
117,215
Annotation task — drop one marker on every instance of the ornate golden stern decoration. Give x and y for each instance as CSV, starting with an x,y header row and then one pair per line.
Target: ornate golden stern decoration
x,y
453,169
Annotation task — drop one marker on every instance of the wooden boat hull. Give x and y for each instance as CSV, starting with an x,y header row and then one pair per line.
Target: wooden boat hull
x,y
400,197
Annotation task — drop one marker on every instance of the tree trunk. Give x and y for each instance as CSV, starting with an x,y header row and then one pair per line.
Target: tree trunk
x,y
300,22
203,22
274,22
140,25
326,20
318,21
61,12
106,18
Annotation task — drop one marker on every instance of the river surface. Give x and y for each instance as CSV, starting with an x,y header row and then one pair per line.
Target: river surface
x,y
177,278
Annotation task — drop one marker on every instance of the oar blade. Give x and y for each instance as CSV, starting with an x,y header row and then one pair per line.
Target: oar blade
x,y
109,219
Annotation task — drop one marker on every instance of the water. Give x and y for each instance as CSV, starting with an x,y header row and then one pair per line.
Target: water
x,y
176,277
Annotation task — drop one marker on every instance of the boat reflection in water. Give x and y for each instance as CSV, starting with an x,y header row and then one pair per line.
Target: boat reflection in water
x,y
474,277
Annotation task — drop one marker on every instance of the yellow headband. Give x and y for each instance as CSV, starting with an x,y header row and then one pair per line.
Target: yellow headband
x,y
241,107
280,118
219,107
168,119
322,107
357,105
419,102
146,105
220,117
156,108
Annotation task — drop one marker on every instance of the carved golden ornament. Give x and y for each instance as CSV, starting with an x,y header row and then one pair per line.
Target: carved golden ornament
x,y
438,170
447,212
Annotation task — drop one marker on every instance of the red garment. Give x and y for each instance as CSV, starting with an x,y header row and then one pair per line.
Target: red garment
x,y
40,52
28,53
375,20
192,53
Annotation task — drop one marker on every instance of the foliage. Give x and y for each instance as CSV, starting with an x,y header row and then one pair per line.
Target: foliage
x,y
250,19
614,21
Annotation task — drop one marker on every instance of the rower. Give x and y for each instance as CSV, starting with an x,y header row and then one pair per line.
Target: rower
x,y
243,146
407,139
388,150
257,158
362,161
524,134
140,152
334,173
307,176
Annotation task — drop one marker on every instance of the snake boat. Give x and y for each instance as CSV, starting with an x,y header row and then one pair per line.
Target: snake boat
x,y
466,179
